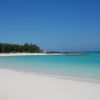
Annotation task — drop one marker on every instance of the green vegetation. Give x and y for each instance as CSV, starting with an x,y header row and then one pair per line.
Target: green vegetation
x,y
29,48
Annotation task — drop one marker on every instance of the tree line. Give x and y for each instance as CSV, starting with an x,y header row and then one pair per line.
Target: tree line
x,y
8,47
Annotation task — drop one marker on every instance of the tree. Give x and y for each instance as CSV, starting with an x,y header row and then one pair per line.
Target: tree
x,y
7,47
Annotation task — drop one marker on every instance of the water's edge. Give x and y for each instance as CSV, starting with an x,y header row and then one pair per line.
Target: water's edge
x,y
85,68
72,78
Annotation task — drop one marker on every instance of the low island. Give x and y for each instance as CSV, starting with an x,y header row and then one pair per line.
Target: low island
x,y
31,49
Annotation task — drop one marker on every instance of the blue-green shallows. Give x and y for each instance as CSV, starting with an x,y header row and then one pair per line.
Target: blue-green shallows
x,y
83,66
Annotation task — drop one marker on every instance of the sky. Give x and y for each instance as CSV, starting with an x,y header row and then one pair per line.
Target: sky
x,y
58,25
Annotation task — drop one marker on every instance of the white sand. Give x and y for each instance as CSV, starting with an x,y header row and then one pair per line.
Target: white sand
x,y
24,86
26,54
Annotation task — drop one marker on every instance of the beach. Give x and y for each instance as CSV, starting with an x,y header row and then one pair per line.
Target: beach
x,y
49,50
16,85
26,54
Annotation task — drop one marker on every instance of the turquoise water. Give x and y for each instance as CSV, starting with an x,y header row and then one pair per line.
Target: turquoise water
x,y
83,66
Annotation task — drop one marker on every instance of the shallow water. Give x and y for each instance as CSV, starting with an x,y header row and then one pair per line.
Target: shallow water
x,y
82,66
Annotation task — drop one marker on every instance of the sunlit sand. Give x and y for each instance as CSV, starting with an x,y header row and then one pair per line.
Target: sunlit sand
x,y
24,86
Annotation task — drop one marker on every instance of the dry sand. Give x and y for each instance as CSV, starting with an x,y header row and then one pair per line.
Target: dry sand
x,y
24,86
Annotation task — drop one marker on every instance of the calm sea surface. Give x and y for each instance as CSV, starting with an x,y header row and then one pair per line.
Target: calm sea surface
x,y
83,66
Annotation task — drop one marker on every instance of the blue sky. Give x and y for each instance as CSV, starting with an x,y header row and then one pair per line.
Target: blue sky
x,y
61,25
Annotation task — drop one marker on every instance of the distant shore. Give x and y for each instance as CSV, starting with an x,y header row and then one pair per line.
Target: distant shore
x,y
47,53
27,54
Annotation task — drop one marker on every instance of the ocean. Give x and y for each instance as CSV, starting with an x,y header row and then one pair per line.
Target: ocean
x,y
79,66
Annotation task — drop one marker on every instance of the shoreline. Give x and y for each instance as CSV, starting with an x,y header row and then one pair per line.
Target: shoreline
x,y
59,76
26,54
16,85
